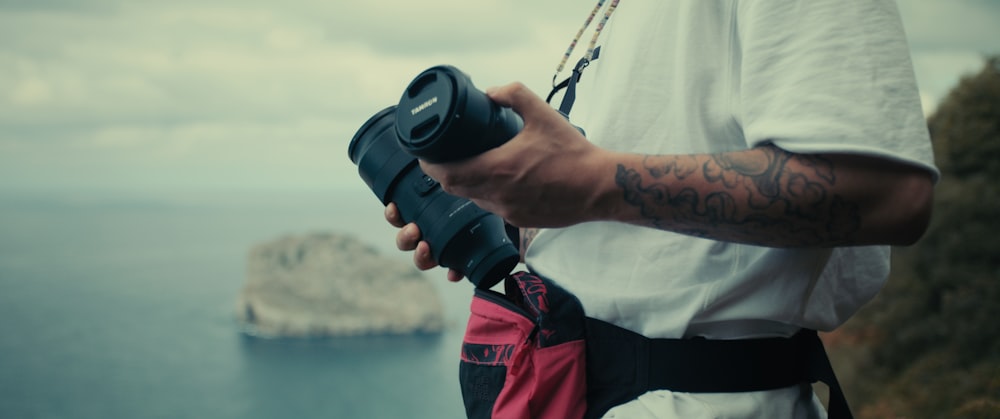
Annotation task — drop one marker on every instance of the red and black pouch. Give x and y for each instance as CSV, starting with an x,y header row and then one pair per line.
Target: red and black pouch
x,y
523,355
526,353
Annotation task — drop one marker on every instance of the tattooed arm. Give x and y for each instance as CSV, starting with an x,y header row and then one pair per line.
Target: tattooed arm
x,y
550,176
771,197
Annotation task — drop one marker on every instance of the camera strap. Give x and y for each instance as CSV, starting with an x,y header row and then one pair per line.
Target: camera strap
x,y
570,84
592,53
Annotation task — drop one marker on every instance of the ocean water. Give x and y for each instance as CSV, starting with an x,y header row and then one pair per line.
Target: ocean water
x,y
121,305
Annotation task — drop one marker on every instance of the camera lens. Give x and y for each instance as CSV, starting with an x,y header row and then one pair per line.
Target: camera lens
x,y
462,236
442,117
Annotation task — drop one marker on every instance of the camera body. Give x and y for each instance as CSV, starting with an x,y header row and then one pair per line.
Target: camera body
x,y
440,117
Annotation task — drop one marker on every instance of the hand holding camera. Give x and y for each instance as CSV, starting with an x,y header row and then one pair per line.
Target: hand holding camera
x,y
448,124
542,177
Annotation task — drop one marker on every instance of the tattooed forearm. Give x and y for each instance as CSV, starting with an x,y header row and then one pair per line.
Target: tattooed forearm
x,y
766,196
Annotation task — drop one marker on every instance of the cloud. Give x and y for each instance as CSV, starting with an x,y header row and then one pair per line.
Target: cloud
x,y
75,6
969,25
188,64
167,60
938,71
949,40
189,92
238,92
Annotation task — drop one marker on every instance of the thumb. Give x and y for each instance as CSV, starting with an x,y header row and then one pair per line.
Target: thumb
x,y
518,97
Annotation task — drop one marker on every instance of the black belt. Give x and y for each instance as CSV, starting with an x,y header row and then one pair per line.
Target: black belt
x,y
621,365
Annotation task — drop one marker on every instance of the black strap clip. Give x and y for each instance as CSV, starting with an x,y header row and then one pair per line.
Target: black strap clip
x,y
570,83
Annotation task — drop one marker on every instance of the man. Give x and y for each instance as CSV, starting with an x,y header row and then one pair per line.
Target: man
x,y
746,164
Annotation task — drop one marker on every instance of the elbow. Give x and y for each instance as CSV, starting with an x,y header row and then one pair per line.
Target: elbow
x,y
912,205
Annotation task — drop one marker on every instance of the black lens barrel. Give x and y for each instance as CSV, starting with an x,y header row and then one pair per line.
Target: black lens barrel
x,y
462,236
443,117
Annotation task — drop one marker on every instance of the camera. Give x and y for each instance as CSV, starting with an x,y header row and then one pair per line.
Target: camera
x,y
440,117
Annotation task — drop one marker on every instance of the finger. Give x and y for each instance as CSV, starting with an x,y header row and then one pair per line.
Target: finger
x,y
392,215
422,257
520,98
454,276
408,237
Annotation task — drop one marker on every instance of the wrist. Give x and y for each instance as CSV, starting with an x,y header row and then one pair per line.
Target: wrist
x,y
605,197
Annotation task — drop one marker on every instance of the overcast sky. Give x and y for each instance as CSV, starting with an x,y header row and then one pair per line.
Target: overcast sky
x,y
254,93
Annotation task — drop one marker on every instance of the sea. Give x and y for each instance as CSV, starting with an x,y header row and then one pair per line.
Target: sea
x,y
121,304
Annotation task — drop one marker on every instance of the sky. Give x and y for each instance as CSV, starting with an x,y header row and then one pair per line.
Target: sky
x,y
140,94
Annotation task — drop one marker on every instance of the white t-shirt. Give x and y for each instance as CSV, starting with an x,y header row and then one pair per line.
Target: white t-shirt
x,y
706,76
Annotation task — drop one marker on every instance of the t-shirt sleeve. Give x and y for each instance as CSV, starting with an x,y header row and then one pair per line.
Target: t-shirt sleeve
x,y
821,76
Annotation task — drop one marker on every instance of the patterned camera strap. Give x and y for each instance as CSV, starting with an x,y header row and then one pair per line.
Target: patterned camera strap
x,y
593,51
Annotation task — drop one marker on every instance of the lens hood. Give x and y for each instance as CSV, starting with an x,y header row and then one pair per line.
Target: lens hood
x,y
443,117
